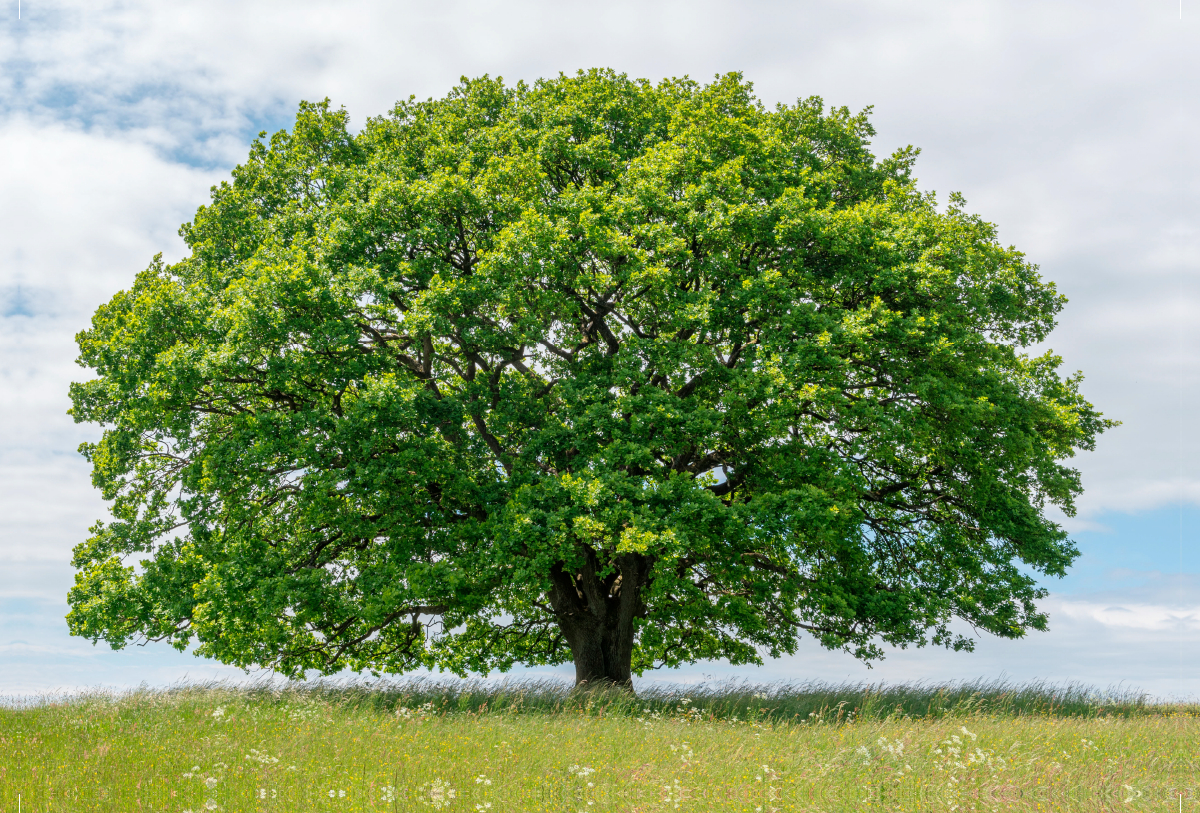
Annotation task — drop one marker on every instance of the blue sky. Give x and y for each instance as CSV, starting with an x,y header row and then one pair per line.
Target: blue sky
x,y
1070,124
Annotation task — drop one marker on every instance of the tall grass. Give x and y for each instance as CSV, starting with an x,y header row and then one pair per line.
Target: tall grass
x,y
775,702
491,747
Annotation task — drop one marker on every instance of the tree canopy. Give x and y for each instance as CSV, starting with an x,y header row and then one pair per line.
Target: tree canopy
x,y
591,370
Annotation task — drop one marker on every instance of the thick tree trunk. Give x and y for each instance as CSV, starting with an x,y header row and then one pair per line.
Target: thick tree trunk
x,y
597,615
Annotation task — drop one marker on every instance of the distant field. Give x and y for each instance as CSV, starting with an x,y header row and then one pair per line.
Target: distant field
x,y
537,747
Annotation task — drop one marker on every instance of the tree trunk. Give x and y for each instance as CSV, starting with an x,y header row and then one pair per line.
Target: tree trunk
x,y
597,614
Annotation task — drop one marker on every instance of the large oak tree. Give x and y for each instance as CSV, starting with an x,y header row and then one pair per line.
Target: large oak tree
x,y
592,370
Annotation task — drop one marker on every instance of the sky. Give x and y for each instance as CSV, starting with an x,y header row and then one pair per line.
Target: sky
x,y
1071,125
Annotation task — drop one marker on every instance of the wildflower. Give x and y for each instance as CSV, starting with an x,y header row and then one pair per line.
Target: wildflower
x,y
210,804
437,794
219,712
387,794
210,783
482,780
483,807
420,712
674,794
894,749
686,754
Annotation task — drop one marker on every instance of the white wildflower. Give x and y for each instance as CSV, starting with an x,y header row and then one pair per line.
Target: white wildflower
x,y
387,794
894,749
437,794
421,712
686,755
673,795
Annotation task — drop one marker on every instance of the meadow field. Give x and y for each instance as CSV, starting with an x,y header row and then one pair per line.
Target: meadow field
x,y
487,748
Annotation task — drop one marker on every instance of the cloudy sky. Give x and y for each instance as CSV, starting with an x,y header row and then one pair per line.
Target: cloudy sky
x,y
1070,124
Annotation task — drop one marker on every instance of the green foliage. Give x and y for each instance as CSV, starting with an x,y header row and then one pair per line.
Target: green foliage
x,y
587,360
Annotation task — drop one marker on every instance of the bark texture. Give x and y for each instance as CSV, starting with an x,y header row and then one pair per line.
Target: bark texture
x,y
597,614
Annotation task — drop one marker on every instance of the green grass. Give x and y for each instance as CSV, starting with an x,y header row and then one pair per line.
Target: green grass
x,y
539,747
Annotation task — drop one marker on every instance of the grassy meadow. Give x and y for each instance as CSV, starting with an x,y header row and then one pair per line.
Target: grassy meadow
x,y
425,746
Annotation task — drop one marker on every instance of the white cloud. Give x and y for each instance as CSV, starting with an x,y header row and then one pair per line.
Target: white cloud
x,y
1156,617
84,211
